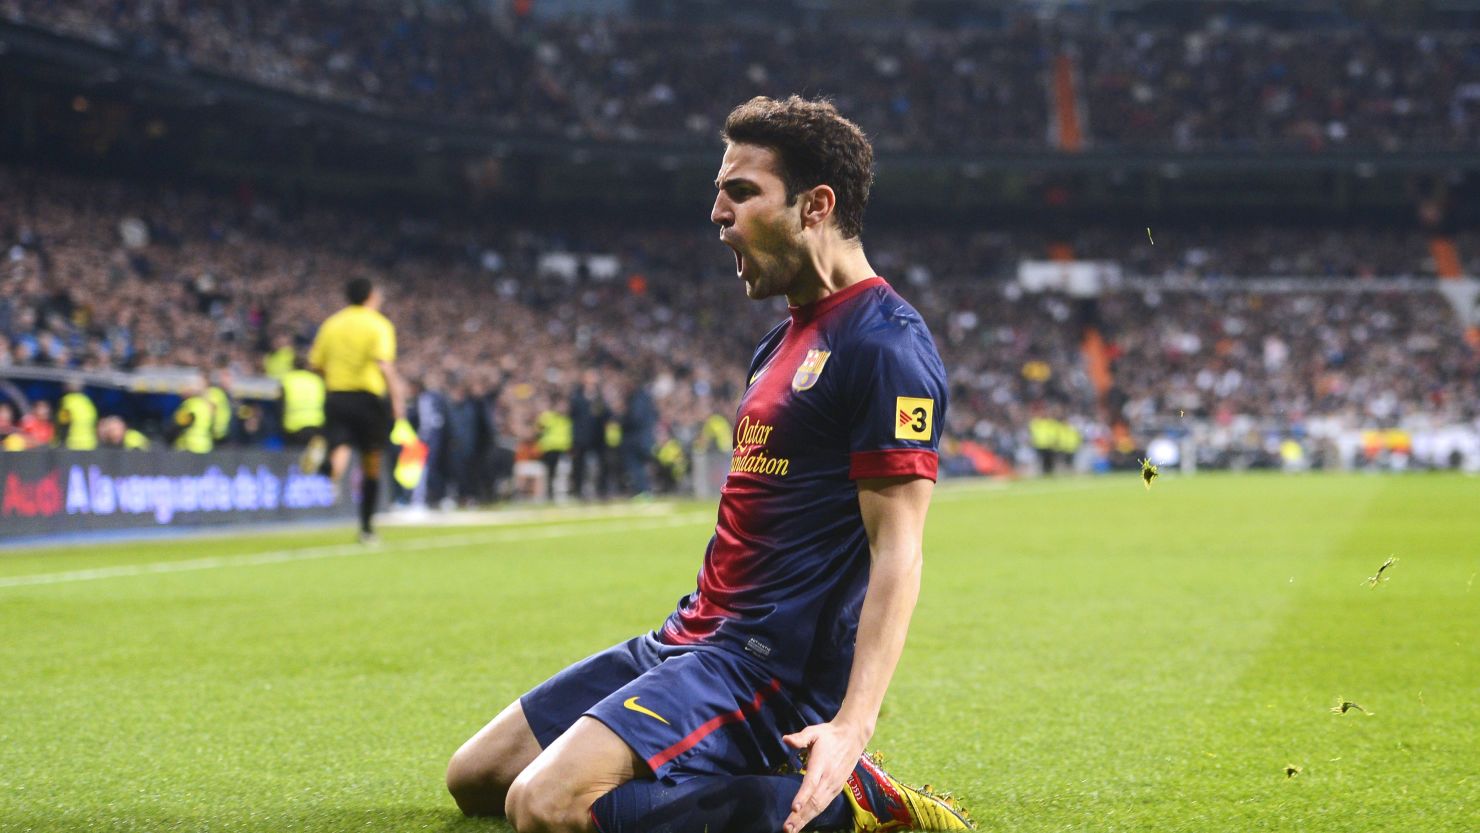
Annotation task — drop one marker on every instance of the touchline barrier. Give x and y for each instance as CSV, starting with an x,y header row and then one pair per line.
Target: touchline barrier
x,y
54,491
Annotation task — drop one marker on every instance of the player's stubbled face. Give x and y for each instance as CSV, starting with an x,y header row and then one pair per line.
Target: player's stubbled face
x,y
756,223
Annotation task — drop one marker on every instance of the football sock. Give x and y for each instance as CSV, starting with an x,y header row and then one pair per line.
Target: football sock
x,y
369,491
717,803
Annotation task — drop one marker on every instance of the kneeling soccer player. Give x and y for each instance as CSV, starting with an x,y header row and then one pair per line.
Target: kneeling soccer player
x,y
749,709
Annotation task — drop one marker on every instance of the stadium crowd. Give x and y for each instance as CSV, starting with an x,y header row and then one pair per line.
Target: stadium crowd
x,y
1305,90
499,326
919,88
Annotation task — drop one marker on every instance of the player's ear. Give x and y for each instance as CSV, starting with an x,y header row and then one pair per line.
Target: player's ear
x,y
817,205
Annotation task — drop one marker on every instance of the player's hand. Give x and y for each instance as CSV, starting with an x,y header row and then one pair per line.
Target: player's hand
x,y
833,750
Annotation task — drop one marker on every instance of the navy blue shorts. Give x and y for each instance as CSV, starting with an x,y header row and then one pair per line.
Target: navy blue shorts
x,y
687,710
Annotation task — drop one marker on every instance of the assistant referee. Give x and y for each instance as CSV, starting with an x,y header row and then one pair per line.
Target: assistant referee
x,y
355,350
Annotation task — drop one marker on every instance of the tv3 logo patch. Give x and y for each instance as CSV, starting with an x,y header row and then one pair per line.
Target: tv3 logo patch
x,y
913,417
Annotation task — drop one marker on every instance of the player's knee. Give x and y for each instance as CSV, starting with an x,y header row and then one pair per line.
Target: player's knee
x,y
477,791
535,806
371,464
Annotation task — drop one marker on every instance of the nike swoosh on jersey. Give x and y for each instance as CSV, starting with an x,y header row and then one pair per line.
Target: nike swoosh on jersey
x,y
631,703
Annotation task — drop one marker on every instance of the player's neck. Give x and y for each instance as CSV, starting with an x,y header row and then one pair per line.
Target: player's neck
x,y
831,269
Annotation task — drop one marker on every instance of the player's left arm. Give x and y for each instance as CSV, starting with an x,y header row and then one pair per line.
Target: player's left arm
x,y
893,510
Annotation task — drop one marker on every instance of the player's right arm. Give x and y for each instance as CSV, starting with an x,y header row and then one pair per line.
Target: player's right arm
x,y
893,511
395,388
383,352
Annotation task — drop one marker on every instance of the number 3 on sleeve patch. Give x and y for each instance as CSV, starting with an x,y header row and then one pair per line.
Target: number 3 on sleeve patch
x,y
912,418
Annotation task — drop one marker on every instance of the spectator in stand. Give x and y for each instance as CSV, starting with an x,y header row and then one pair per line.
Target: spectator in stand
x,y
37,426
11,436
114,433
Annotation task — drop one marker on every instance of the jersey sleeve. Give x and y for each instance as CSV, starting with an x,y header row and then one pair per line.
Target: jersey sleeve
x,y
898,392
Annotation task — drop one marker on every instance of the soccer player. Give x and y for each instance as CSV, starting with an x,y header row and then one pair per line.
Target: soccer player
x,y
355,350
748,710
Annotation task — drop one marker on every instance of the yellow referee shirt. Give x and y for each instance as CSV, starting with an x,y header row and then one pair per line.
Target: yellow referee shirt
x,y
349,345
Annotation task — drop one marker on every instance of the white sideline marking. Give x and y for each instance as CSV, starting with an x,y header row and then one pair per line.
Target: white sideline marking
x,y
344,550
1025,488
502,517
590,527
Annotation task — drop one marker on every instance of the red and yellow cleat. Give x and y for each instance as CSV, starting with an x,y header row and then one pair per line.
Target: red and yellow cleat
x,y
880,803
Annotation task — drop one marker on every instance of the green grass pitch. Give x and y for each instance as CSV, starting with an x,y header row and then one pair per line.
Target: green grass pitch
x,y
1087,655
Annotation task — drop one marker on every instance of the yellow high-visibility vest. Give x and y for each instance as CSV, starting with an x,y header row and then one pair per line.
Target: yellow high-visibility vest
x,y
670,455
715,433
194,417
1069,438
279,363
303,400
555,432
80,415
1043,432
221,414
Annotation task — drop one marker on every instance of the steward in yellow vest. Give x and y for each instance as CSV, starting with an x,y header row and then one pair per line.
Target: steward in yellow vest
x,y
281,359
221,405
303,405
716,433
78,417
1043,433
555,432
1067,443
193,422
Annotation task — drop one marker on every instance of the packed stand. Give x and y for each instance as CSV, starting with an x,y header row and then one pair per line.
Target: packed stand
x,y
1355,378
606,79
1308,90
499,327
915,87
1193,252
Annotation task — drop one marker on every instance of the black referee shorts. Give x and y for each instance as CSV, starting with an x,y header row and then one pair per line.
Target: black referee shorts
x,y
357,418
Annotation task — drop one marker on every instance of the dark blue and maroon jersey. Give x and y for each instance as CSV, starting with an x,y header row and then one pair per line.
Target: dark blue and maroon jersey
x,y
850,387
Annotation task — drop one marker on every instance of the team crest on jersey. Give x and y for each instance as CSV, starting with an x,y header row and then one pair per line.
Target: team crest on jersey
x,y
810,370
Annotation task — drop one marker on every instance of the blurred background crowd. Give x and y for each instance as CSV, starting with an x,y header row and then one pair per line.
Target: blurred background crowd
x,y
921,87
600,351
497,327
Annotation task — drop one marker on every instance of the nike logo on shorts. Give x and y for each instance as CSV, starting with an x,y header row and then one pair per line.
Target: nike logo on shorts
x,y
631,703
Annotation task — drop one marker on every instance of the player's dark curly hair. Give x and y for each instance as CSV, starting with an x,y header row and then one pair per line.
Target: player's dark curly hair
x,y
816,145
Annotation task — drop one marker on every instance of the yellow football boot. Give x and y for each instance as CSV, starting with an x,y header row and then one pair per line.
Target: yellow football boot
x,y
879,802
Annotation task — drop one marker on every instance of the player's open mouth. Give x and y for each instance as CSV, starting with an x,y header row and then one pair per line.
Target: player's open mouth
x,y
739,258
